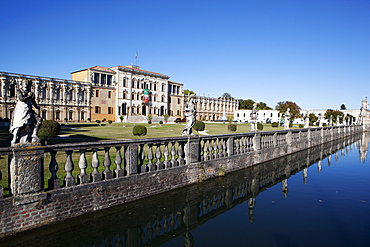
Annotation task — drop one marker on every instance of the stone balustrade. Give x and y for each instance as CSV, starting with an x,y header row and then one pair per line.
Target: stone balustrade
x,y
84,177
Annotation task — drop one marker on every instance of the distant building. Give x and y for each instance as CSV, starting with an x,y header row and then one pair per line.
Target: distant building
x,y
60,100
214,109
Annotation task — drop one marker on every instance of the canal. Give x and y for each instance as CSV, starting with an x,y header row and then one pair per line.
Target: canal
x,y
317,197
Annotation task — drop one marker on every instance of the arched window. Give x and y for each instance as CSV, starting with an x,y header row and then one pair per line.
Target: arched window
x,y
124,95
124,82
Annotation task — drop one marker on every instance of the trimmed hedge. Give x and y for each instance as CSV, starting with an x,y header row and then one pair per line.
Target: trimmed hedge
x,y
231,127
49,129
259,126
139,130
274,124
199,126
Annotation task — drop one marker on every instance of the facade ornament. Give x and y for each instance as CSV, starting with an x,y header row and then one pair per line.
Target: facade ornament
x,y
25,121
190,115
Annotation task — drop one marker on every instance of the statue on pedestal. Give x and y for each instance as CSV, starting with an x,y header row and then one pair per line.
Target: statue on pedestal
x,y
253,125
25,121
190,114
307,121
287,119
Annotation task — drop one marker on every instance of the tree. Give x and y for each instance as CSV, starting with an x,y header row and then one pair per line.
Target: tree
x,y
282,107
334,114
226,96
263,106
343,107
313,118
246,104
189,92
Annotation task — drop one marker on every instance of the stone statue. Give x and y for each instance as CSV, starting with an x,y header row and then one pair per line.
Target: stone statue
x,y
25,121
287,119
320,120
307,121
253,125
190,114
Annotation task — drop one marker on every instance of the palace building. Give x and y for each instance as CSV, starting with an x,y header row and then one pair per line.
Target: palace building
x,y
110,94
60,100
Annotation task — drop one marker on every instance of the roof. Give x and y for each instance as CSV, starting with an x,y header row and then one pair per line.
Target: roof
x,y
178,83
141,71
98,68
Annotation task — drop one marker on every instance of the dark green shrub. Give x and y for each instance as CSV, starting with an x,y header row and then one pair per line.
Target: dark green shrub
x,y
260,126
150,122
323,124
290,125
178,120
139,130
104,119
98,121
301,126
160,122
231,127
199,126
109,121
49,129
274,124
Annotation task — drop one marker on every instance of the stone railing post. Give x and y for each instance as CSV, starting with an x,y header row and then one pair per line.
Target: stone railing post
x,y
27,173
289,138
257,141
230,146
192,150
131,156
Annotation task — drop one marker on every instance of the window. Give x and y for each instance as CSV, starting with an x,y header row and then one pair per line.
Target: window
x,y
133,84
82,115
124,95
110,110
124,82
70,117
43,93
162,98
97,93
43,114
155,87
109,80
96,78
162,87
109,94
103,79
97,109
178,101
57,115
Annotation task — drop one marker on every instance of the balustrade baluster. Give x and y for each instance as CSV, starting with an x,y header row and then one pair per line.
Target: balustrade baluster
x,y
172,221
142,167
210,148
215,153
167,163
95,175
150,231
82,164
205,152
220,148
118,160
150,158
158,155
69,179
181,153
108,174
224,147
165,223
173,155
158,228
53,182
237,144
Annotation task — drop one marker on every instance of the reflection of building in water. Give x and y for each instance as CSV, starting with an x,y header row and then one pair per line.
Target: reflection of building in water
x,y
305,175
251,204
364,145
284,188
319,166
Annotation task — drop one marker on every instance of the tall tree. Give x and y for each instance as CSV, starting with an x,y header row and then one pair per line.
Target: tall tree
x,y
282,107
246,104
189,92
313,118
263,106
334,114
343,107
226,96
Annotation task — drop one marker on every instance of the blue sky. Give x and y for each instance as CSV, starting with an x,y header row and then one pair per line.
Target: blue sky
x,y
312,52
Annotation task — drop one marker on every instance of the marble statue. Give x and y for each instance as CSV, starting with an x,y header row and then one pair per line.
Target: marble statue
x,y
287,119
307,121
25,121
253,125
190,114
320,120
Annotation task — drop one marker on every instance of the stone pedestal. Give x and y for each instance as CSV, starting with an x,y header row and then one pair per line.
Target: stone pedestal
x,y
27,172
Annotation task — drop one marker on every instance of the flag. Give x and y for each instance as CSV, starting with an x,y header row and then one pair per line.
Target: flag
x,y
136,55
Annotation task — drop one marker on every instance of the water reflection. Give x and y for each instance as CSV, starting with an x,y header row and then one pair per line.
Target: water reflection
x,y
156,220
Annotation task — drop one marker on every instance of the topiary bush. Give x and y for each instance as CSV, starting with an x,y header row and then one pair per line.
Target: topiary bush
x,y
199,126
160,122
231,127
274,124
301,126
260,126
178,120
49,129
109,121
139,130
